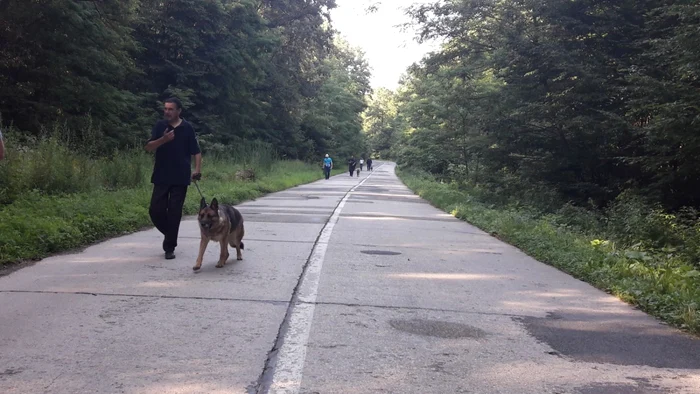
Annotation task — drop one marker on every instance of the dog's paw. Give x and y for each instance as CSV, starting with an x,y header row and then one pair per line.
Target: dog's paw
x,y
219,265
239,258
196,268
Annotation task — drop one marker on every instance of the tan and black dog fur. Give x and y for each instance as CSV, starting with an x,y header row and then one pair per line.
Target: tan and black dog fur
x,y
223,224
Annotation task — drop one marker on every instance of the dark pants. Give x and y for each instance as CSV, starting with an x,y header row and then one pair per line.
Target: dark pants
x,y
352,170
327,172
166,212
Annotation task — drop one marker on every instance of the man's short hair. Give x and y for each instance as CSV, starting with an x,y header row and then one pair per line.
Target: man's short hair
x,y
176,101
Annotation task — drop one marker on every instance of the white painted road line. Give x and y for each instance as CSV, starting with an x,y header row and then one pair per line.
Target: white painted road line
x,y
289,367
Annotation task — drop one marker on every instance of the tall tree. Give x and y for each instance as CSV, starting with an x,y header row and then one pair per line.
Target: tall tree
x,y
66,59
332,122
295,70
567,94
208,54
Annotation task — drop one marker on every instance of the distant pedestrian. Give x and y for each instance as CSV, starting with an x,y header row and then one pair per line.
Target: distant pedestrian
x,y
369,164
174,141
327,166
2,146
362,164
352,163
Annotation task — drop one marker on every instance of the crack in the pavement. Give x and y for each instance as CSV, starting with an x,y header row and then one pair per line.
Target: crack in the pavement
x,y
272,302
417,308
265,379
52,382
264,240
171,297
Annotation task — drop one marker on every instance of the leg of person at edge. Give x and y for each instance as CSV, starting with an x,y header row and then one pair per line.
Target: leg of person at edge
x,y
327,166
174,141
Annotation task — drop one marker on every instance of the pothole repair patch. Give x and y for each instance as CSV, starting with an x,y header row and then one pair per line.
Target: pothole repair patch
x,y
381,252
604,338
436,328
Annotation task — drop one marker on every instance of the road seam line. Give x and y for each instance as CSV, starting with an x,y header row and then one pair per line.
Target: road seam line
x,y
258,301
125,295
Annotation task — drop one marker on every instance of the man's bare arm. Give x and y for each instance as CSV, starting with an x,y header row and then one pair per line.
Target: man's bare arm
x,y
197,174
198,163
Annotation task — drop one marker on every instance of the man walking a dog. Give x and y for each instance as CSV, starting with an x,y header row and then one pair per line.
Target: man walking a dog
x,y
174,141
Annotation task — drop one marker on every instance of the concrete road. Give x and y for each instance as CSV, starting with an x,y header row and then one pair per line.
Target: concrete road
x,y
351,285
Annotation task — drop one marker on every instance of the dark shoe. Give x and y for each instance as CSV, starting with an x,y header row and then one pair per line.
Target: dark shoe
x,y
169,255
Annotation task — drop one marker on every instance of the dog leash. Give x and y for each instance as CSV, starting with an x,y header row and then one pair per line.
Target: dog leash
x,y
200,192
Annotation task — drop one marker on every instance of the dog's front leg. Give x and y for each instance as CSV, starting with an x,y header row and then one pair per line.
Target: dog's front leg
x,y
202,247
224,253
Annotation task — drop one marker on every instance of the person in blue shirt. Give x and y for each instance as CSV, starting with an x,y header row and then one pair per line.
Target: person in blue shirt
x,y
327,166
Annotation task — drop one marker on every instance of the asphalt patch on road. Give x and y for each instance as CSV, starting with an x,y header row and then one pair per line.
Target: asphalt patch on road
x,y
378,197
615,339
383,190
299,219
277,206
381,252
398,217
292,198
437,328
319,189
641,387
251,211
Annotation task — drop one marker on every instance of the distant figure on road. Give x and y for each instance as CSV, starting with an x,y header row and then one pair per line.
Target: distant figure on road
x,y
352,163
2,147
369,164
327,166
362,164
174,141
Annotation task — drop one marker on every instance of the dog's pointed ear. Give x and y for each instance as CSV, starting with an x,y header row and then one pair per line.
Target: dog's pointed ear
x,y
214,205
202,203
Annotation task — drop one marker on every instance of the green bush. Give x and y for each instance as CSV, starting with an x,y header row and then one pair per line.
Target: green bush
x,y
50,165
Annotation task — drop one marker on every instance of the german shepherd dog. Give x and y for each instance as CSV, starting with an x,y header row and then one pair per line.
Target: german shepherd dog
x,y
223,224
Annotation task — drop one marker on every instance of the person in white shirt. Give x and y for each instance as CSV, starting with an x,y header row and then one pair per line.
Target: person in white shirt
x,y
362,163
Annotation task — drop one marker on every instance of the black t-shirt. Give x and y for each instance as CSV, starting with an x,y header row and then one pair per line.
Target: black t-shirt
x,y
173,165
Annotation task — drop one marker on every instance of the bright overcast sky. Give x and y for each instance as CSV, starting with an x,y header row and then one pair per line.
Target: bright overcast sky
x,y
388,50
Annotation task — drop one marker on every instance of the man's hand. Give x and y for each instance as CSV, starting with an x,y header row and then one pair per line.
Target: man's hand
x,y
169,136
196,176
155,144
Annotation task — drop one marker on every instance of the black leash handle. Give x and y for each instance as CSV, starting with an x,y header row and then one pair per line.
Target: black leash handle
x,y
200,192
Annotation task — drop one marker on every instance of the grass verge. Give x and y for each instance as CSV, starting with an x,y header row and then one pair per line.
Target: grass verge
x,y
659,282
36,224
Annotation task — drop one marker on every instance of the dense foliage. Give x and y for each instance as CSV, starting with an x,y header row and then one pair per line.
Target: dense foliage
x,y
580,101
266,70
